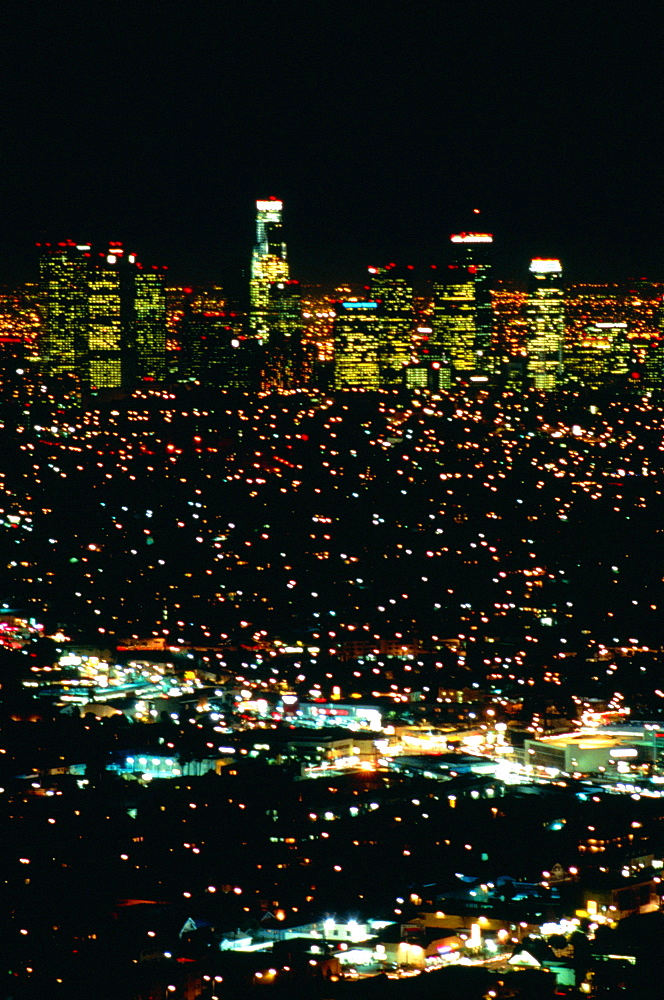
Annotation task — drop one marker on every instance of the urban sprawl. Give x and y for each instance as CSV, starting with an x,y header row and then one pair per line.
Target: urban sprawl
x,y
330,631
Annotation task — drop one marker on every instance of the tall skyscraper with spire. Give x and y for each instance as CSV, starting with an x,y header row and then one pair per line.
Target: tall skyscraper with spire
x,y
268,265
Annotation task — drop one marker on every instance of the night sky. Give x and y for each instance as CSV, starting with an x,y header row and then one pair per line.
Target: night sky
x,y
381,125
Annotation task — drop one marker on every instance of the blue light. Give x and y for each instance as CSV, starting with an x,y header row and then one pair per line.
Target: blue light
x,y
360,305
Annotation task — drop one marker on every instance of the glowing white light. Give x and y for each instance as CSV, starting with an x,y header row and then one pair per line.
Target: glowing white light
x,y
541,265
471,238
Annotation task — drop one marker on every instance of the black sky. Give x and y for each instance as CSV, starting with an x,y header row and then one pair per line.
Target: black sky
x,y
381,125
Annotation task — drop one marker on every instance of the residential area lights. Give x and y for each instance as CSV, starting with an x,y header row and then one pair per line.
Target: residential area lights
x,y
379,676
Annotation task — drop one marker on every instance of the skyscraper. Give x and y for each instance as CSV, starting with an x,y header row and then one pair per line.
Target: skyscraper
x,y
396,320
62,280
357,346
546,323
601,356
283,368
462,322
105,316
268,265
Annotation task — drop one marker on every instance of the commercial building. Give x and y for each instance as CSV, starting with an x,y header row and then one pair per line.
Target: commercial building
x,y
546,323
605,750
268,265
601,355
462,319
283,354
105,316
395,298
357,345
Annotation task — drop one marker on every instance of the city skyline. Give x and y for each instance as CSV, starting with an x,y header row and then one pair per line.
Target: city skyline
x,y
331,478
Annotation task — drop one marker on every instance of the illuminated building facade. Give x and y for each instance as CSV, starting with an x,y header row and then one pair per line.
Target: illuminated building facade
x,y
462,318
283,352
104,348
601,355
646,362
546,323
357,344
453,324
62,271
149,324
105,316
268,265
432,376
472,251
395,298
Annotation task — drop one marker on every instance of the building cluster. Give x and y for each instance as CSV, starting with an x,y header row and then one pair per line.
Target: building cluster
x,y
98,319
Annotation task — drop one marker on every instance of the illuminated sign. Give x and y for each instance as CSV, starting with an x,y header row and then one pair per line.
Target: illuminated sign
x,y
269,206
471,238
541,265
360,305
627,752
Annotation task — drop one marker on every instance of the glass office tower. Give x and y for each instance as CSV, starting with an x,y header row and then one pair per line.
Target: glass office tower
x,y
545,312
105,316
268,265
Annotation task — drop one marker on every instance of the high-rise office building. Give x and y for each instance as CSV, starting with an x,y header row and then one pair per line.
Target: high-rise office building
x,y
283,351
432,376
105,316
268,265
62,271
453,324
546,323
396,321
600,356
357,330
462,319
